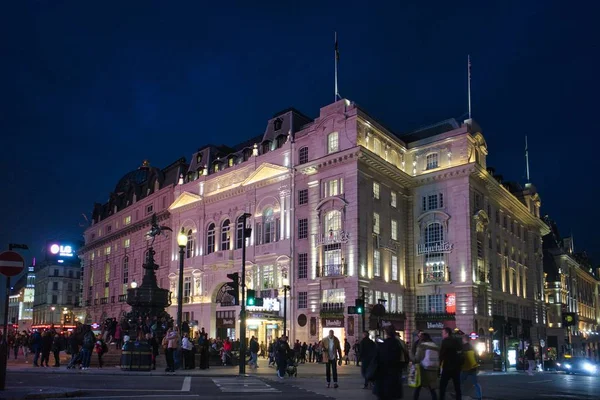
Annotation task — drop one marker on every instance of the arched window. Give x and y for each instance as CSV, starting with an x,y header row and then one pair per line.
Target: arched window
x,y
210,239
303,155
269,225
225,236
266,146
125,270
434,233
191,245
239,233
333,221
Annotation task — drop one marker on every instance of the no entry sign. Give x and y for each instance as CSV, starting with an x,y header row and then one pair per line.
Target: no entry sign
x,y
11,263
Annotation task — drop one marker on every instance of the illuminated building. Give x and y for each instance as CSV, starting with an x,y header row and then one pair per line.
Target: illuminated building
x,y
116,242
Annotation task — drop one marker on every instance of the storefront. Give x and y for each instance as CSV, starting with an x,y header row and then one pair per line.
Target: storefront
x,y
434,328
225,324
335,324
395,320
265,326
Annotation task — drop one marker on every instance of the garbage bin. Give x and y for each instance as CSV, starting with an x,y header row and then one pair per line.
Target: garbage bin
x,y
498,364
136,356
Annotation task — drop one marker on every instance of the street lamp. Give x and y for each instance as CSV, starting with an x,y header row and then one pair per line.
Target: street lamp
x,y
52,318
133,284
182,240
286,287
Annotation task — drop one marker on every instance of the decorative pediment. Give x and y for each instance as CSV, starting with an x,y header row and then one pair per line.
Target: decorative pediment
x,y
265,171
184,199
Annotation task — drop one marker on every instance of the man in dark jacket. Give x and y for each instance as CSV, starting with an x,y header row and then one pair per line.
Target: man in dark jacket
x,y
367,349
254,348
282,348
388,378
451,360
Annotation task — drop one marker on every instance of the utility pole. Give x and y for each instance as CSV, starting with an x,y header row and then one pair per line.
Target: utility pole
x,y
246,234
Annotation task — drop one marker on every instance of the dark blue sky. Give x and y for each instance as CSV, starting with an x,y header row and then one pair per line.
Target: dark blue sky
x,y
88,93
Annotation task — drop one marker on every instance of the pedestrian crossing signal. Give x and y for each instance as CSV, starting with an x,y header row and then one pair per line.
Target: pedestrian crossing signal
x,y
359,304
251,297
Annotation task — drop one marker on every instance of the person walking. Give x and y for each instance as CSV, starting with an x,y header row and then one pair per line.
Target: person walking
x,y
470,365
254,348
87,347
530,356
451,361
57,346
100,348
281,350
388,378
36,347
153,343
347,348
427,358
47,340
367,350
310,353
332,356
170,344
186,352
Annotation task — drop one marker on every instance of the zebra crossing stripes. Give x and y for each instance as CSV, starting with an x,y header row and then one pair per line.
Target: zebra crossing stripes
x,y
243,385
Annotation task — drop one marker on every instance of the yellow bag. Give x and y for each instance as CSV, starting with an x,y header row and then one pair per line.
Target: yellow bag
x,y
414,376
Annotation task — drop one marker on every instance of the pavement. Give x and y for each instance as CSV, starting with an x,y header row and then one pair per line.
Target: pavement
x,y
26,382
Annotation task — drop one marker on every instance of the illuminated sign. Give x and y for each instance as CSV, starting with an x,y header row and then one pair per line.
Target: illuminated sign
x,y
473,336
268,305
435,325
439,247
451,303
61,250
333,237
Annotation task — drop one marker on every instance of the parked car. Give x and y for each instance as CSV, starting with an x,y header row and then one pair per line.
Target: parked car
x,y
578,365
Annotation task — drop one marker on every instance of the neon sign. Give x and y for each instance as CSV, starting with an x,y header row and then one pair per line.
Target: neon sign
x,y
63,251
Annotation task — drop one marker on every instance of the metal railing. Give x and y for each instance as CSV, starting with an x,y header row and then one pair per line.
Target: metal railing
x,y
332,307
332,270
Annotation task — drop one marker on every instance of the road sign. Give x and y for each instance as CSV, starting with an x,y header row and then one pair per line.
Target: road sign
x,y
542,343
11,263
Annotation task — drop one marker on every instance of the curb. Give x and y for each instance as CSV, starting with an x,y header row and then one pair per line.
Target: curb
x,y
24,394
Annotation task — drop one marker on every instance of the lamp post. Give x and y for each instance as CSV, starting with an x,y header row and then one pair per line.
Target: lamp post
x,y
52,317
182,243
245,234
286,287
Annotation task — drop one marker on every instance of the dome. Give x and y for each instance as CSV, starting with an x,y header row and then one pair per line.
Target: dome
x,y
135,177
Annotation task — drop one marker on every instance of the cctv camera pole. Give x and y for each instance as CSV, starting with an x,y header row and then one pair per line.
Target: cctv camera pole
x,y
245,233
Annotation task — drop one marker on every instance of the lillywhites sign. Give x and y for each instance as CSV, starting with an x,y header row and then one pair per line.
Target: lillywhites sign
x,y
268,305
332,237
439,247
435,325
333,322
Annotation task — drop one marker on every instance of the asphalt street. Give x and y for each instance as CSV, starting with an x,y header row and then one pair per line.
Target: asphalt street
x,y
496,386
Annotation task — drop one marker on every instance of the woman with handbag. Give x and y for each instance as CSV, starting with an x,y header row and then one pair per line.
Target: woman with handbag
x,y
427,360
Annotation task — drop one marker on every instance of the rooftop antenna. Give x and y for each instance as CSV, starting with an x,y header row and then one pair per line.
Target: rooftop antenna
x,y
527,158
469,82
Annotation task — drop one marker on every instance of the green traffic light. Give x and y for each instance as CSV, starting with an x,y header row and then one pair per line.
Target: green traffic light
x,y
359,310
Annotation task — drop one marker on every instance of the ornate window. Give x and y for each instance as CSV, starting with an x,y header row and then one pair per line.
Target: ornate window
x,y
303,155
225,236
270,225
432,161
210,239
191,245
239,233
435,267
268,277
333,143
187,289
333,221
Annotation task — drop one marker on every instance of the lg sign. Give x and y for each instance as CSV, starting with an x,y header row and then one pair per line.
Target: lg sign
x,y
63,251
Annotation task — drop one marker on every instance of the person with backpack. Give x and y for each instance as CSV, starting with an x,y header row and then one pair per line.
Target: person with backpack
x,y
451,361
87,347
470,365
427,357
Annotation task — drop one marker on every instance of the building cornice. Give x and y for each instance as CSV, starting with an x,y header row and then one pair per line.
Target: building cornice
x,y
381,166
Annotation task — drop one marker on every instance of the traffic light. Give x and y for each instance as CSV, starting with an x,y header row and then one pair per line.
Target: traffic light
x,y
359,304
351,310
250,297
234,287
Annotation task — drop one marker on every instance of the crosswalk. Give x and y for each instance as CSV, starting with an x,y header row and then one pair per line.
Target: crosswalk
x,y
243,385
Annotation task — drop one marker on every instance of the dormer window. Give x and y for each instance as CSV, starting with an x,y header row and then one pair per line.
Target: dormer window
x,y
230,161
277,124
216,166
432,161
281,139
266,147
199,158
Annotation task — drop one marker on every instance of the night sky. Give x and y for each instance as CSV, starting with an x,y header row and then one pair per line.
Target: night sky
x,y
87,93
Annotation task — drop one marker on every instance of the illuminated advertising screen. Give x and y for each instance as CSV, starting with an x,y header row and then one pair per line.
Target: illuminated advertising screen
x,y
451,303
62,252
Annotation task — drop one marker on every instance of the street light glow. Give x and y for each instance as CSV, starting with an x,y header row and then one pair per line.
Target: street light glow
x,y
182,238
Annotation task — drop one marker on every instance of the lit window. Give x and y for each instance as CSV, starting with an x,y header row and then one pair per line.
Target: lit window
x,y
190,245
107,251
225,235
394,199
127,220
394,229
125,270
376,263
126,243
432,161
333,221
332,143
436,303
394,268
230,161
376,190
376,226
333,187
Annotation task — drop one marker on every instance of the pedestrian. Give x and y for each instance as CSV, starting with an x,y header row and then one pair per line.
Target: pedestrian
x,y
347,348
303,353
427,359
451,361
153,343
100,348
253,348
87,347
356,352
57,346
413,348
281,350
310,353
332,355
367,350
170,344
46,347
118,337
388,377
530,356
470,365
186,350
36,346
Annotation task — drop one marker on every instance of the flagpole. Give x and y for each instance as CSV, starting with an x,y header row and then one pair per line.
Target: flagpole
x,y
335,58
469,84
527,158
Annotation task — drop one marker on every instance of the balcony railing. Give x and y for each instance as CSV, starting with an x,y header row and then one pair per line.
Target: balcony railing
x,y
104,300
122,298
332,308
332,270
429,275
434,316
